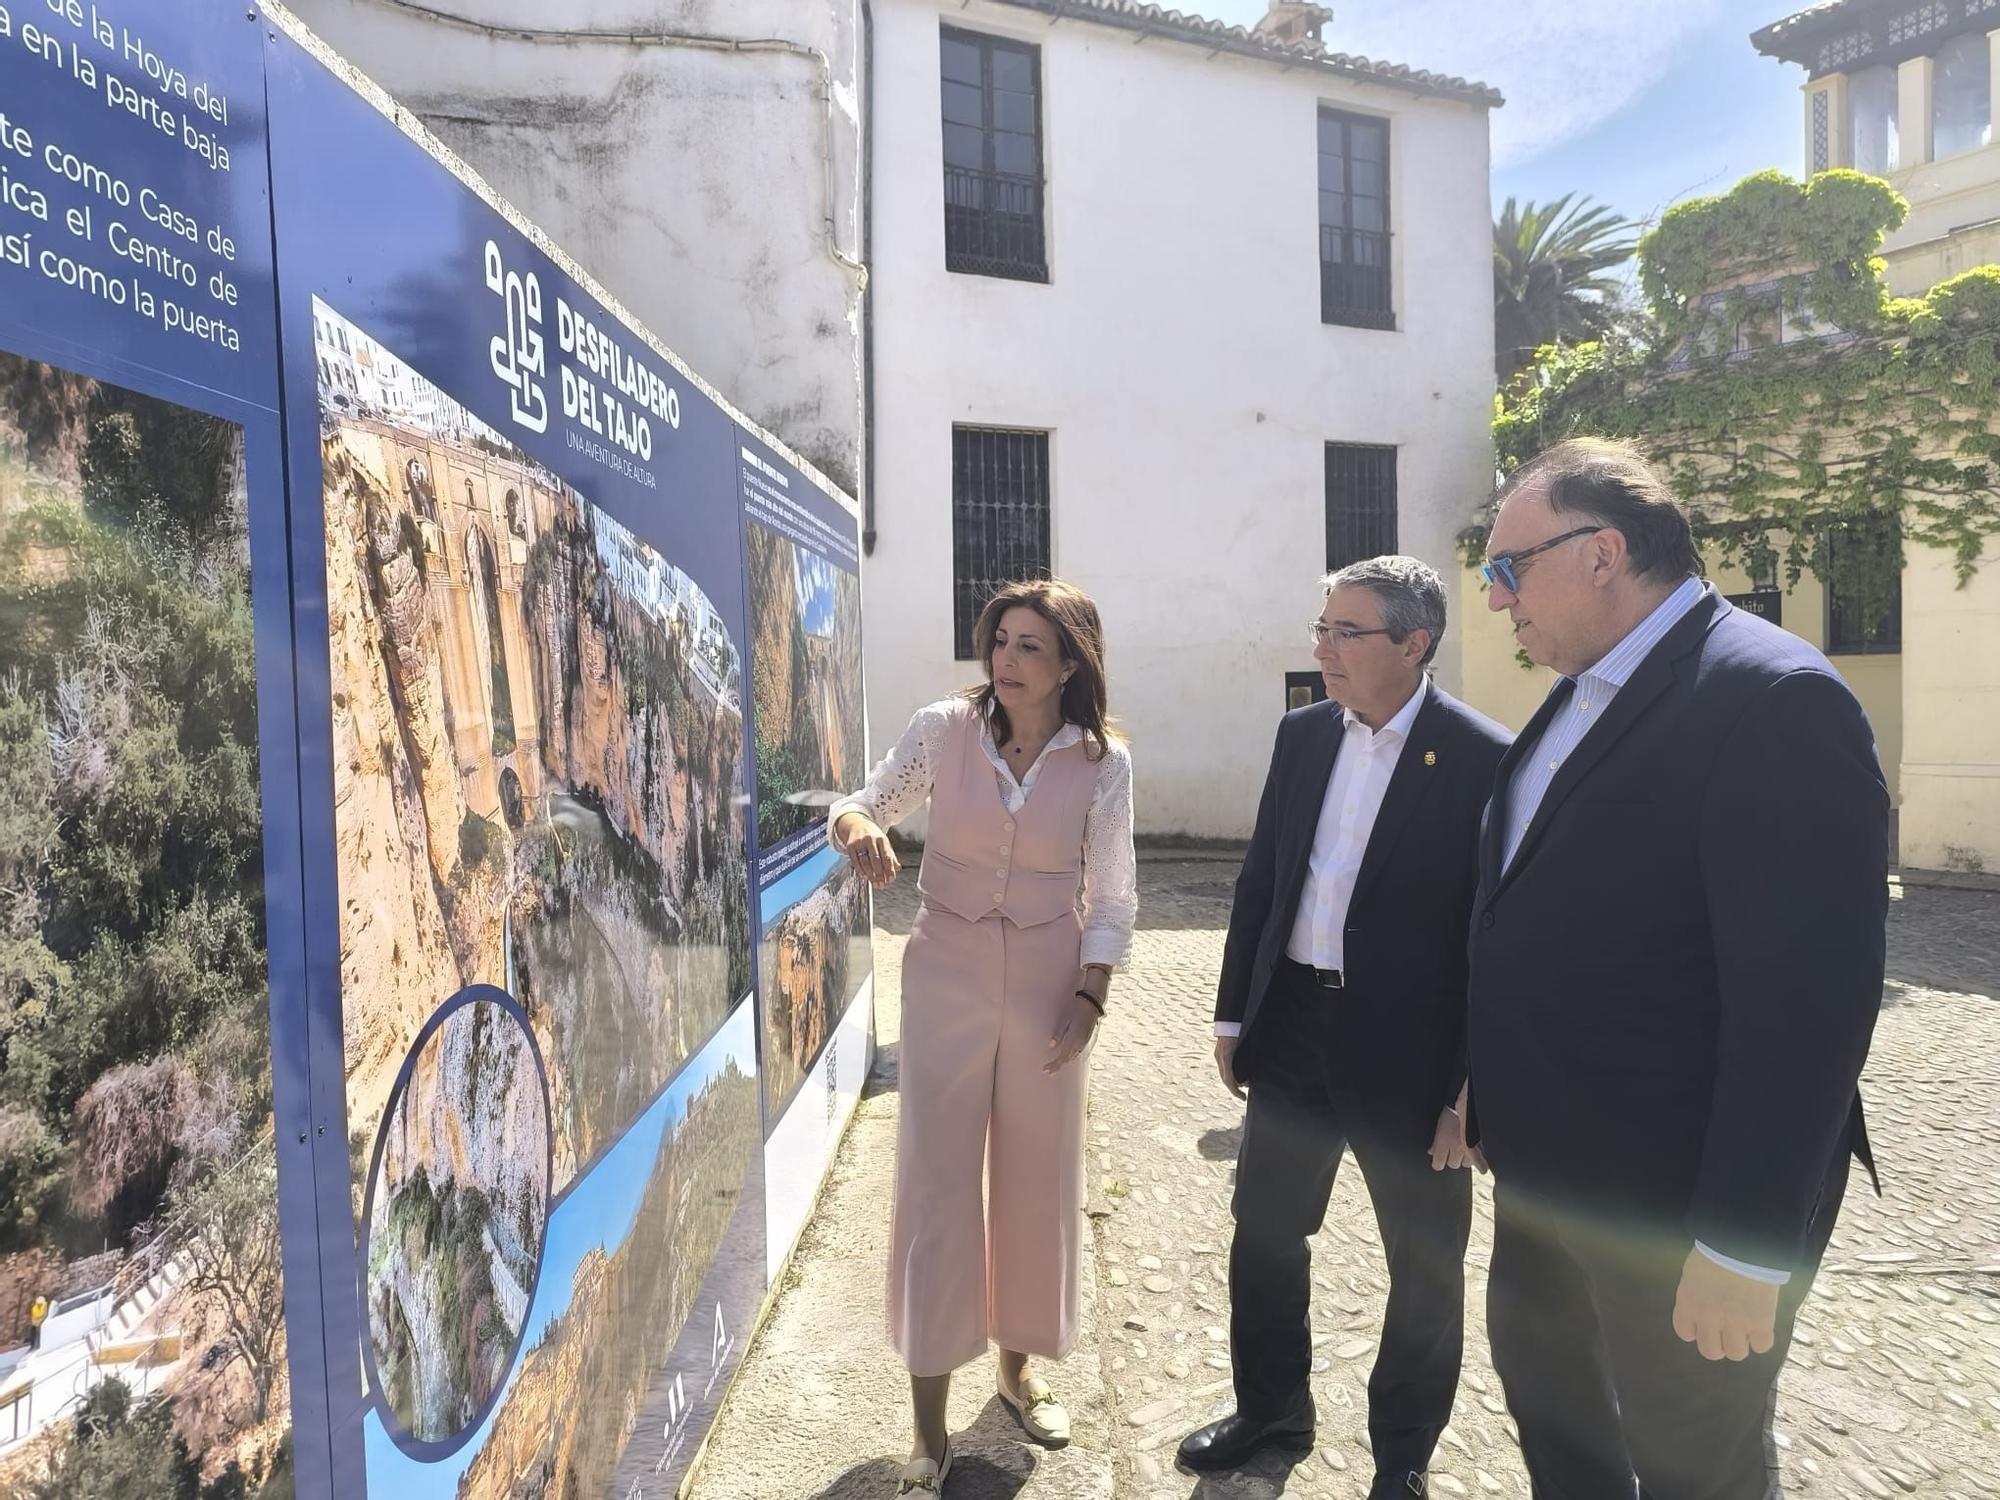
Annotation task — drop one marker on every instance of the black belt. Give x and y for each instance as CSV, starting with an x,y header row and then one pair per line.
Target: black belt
x,y
1326,979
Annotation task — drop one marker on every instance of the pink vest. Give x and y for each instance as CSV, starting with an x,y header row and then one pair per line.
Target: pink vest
x,y
980,858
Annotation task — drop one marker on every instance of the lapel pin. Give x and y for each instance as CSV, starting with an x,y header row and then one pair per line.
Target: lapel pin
x,y
1430,757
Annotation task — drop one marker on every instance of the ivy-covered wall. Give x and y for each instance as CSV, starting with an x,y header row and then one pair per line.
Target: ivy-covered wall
x,y
1801,410
1787,394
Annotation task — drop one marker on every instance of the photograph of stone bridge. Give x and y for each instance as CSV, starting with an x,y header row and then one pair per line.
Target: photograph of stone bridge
x,y
537,759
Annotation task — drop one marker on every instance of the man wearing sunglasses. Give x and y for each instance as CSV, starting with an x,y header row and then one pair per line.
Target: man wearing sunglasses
x,y
1341,1005
1677,953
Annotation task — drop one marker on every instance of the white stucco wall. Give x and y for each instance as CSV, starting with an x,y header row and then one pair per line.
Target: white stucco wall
x,y
1951,695
1178,358
692,182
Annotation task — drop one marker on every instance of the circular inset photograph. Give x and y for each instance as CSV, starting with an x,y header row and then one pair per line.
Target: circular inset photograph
x,y
454,1218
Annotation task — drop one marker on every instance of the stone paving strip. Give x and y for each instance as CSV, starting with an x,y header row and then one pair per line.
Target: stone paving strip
x,y
1893,1387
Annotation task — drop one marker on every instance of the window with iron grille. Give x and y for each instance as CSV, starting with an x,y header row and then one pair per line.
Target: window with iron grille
x,y
1855,555
1360,502
999,519
993,157
1354,221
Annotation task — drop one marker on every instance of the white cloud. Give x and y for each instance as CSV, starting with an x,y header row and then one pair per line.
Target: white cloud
x,y
1564,67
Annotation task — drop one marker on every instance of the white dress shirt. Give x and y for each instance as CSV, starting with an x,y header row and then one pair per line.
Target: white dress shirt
x,y
1110,892
1538,767
1354,792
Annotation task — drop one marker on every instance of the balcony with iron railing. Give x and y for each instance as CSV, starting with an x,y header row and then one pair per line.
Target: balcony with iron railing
x,y
993,224
1354,286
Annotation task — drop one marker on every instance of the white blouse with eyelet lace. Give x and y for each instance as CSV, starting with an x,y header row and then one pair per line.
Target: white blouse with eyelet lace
x,y
902,782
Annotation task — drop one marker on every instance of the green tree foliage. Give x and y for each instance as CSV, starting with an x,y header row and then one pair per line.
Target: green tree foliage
x,y
1817,238
131,910
120,1446
124,1446
30,1176
1791,399
1549,281
781,771
145,460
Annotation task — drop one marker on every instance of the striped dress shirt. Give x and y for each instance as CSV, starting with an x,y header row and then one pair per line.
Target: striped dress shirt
x,y
1594,691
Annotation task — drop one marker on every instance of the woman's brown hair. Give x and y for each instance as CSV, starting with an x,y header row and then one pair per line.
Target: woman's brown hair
x,y
1081,639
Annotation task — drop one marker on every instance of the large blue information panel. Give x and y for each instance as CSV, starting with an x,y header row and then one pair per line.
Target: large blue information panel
x,y
425,974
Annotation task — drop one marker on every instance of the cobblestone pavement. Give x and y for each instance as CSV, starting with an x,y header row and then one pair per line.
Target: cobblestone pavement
x,y
1894,1382
1893,1386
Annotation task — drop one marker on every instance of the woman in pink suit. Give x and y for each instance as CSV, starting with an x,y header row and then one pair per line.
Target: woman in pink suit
x,y
1029,891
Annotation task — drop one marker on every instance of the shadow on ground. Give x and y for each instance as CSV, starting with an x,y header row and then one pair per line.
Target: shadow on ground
x,y
1220,1143
886,1075
1270,1474
993,1462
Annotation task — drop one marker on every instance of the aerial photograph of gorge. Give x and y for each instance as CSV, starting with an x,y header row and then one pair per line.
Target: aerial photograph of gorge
x,y
142,1332
537,743
805,682
627,1253
805,690
457,1207
814,954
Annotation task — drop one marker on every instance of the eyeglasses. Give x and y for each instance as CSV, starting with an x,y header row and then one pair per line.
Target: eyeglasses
x,y
1322,632
1505,569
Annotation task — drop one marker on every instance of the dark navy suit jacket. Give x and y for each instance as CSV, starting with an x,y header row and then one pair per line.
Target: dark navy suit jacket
x,y
1675,982
1405,957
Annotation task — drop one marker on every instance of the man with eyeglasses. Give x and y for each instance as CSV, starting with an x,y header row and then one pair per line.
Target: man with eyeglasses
x,y
1677,958
1341,1006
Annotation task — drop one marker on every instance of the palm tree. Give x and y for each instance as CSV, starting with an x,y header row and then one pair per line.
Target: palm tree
x,y
1548,281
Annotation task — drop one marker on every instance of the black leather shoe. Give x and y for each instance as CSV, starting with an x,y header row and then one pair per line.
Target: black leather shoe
x,y
1233,1441
1406,1484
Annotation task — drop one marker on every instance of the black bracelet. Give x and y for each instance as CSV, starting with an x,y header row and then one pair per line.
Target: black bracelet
x,y
1097,1003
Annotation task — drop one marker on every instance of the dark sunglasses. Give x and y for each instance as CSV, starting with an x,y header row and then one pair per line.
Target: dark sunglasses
x,y
1504,569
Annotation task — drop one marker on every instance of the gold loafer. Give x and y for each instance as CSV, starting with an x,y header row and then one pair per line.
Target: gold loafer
x,y
925,1476
1041,1416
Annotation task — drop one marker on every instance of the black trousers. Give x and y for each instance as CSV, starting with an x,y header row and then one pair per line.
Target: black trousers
x,y
1609,1401
1314,1091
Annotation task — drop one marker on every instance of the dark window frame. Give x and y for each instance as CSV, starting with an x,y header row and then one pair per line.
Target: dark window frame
x,y
1001,518
995,222
1845,635
1303,689
1361,502
1355,290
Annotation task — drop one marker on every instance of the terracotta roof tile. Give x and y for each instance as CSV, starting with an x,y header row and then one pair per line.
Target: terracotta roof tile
x,y
1137,15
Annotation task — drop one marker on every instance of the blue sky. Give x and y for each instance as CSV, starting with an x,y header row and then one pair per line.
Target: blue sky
x,y
1639,104
782,894
816,591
